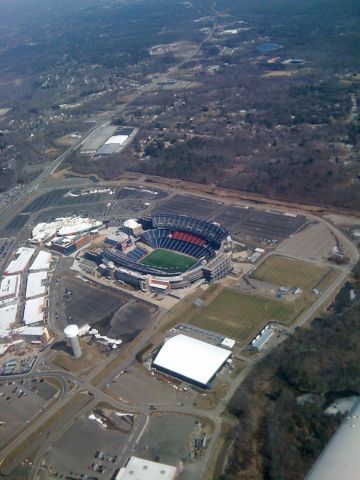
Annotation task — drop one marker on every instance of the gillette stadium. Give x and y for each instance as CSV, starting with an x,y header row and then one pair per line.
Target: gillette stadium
x,y
168,251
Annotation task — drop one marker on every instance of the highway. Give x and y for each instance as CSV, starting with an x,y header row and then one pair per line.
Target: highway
x,y
142,410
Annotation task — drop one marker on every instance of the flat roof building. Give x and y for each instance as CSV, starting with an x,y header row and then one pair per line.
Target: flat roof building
x,y
9,287
140,469
23,256
190,359
7,316
34,311
35,284
41,262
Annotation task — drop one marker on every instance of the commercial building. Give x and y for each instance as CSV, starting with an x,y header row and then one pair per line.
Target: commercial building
x,y
33,334
34,311
9,288
68,245
35,284
18,265
7,317
133,228
41,262
140,469
341,460
263,337
190,360
62,227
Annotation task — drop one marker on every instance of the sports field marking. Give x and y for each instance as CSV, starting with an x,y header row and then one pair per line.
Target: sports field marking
x,y
291,273
169,260
240,315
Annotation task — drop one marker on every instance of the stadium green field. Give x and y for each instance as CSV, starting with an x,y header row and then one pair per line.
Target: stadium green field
x,y
240,315
168,260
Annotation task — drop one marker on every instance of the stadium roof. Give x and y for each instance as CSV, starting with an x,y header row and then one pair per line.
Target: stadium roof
x,y
191,358
41,262
35,285
18,265
341,460
139,469
33,312
9,287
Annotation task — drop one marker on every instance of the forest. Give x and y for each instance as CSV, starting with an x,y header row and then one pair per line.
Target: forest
x,y
281,427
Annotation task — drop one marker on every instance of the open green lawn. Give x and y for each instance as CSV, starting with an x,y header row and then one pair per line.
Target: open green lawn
x,y
290,273
168,260
240,315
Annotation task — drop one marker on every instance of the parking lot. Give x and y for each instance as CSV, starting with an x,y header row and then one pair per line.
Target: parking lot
x,y
79,302
128,321
14,225
259,226
167,439
154,389
56,198
188,205
86,448
19,402
89,209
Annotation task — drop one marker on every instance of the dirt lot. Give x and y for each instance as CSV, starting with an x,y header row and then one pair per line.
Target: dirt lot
x,y
312,243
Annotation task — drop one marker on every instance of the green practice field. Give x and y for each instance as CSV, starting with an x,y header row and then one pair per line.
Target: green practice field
x,y
290,273
240,315
168,260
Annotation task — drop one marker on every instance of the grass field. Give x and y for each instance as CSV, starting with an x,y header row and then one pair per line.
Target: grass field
x,y
168,260
240,315
287,272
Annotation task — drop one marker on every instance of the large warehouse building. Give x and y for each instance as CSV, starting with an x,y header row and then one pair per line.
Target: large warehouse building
x,y
141,469
190,360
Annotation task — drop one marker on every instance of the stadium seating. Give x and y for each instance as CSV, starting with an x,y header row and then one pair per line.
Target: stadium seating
x,y
189,238
137,254
210,231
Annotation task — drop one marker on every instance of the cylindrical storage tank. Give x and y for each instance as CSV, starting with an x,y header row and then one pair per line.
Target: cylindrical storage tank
x,y
71,332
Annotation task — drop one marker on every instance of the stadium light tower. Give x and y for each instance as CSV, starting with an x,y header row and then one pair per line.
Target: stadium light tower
x,y
71,332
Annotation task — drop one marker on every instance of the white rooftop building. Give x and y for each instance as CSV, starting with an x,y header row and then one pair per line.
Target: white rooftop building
x,y
41,262
36,332
140,469
34,311
9,287
7,316
35,284
228,343
117,139
62,227
190,359
21,261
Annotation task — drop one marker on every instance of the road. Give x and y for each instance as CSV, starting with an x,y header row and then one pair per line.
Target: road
x,y
141,409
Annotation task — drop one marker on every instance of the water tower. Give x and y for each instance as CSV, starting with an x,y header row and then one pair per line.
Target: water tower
x,y
71,332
